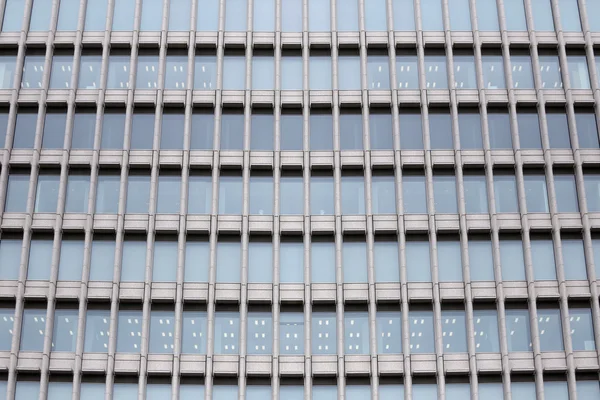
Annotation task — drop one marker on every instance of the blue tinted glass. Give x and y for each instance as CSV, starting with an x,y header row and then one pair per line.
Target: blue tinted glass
x,y
95,15
13,15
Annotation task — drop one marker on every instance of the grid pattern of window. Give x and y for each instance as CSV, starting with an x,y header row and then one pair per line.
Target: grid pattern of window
x,y
197,196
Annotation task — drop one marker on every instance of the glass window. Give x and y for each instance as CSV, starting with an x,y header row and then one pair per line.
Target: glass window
x,y
84,126
147,71
376,16
229,259
124,390
511,260
196,259
262,131
138,192
33,327
578,71
524,390
529,129
385,253
518,330
394,391
260,333
207,17
404,15
421,333
353,195
486,331
60,78
13,15
487,15
481,260
41,11
522,72
469,127
475,194
10,258
46,199
97,325
165,260
179,15
587,129
499,127
505,192
458,390
588,390
33,72
556,390
435,70
225,392
291,392
151,19
158,391
199,193
169,196
464,71
71,258
129,331
256,392
176,70
319,70
264,16
102,258
291,261
260,260
573,258
321,195
95,15
291,334
324,333
40,258
291,70
348,71
205,71
230,194
324,392
319,16
90,68
550,72
357,391
16,193
7,320
380,130
354,260
418,267
566,193
550,328
78,189
263,71
261,194
542,258
449,260
235,15
232,130
542,15
133,264
227,334
322,260
582,329
291,195
59,390
493,70
433,10
444,192
347,15
351,130
64,336
516,10
592,191
25,130
440,130
454,332
291,16
383,193
27,389
378,71
118,72
460,19
113,129
407,71
195,329
291,135
569,15
7,71
162,330
535,193
415,198
202,130
123,15
389,332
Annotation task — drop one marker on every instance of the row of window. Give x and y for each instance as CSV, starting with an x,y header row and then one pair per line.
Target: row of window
x,y
259,336
320,129
417,251
320,69
319,15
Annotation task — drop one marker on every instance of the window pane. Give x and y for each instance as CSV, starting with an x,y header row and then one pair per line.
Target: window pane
x,y
16,193
13,15
574,259
588,390
165,261
493,70
27,390
464,72
232,131
516,10
522,73
169,195
158,391
542,15
454,332
458,390
404,15
264,15
319,71
556,390
587,130
46,199
324,333
291,262
196,260
84,126
389,332
123,15
78,189
40,258
475,194
291,334
449,261
376,16
64,336
118,72
10,259
357,392
487,15
162,327
380,131
102,259
25,131
512,261
71,259
347,15
235,15
260,333
387,268
227,333
129,331
262,132
558,130
354,261
319,15
291,134
486,331
407,71
205,72
291,392
207,17
322,262
123,391
444,188
133,265
505,193
230,195
41,11
324,392
415,198
203,126
147,72
529,130
550,72
291,71
229,259
321,195
107,195
353,195
525,390
260,261
263,72
351,132
421,324
566,193
535,193
435,70
60,390
569,15
499,127
95,15
179,14
433,10
90,68
550,329
542,257
481,261
7,71
378,72
152,15
469,126
418,261
138,194
519,330
195,330
199,194
97,325
582,329
291,195
6,328
291,16
578,72
176,71
460,18
383,194
256,392
113,131
440,131
33,327
393,392
60,78
592,191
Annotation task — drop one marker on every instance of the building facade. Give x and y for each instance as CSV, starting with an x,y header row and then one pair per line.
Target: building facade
x,y
299,199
